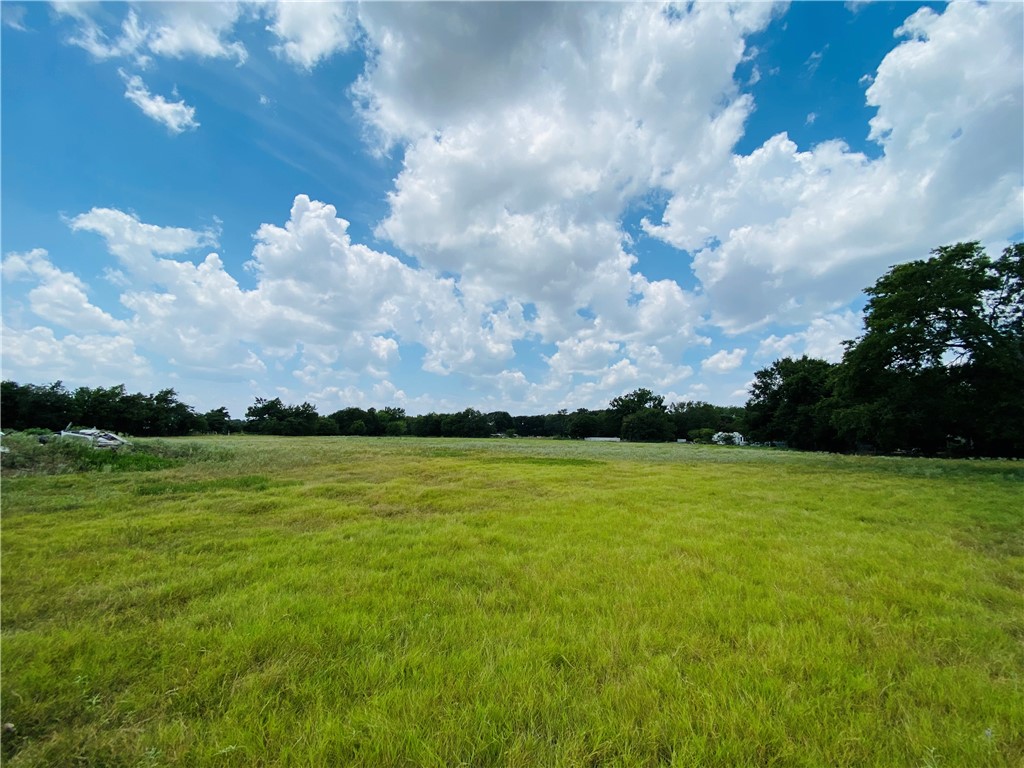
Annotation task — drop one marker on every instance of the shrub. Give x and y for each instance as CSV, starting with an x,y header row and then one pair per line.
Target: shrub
x,y
27,456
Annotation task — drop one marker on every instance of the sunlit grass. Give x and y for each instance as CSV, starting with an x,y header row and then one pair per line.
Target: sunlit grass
x,y
515,602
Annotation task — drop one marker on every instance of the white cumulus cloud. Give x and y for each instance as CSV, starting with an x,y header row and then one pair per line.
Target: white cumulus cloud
x,y
784,234
528,130
312,32
822,338
724,361
59,297
200,29
527,133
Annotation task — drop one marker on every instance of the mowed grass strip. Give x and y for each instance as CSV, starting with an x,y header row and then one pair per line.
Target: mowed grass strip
x,y
516,603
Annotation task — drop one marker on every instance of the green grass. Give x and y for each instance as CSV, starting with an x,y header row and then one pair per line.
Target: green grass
x,y
342,601
25,455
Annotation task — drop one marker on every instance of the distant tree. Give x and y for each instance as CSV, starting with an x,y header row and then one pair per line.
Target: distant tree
x,y
171,416
500,422
648,425
467,423
23,406
701,435
396,428
426,425
557,424
100,407
626,405
265,416
637,400
790,402
611,422
272,417
218,420
392,421
697,414
374,423
529,426
584,424
326,426
346,417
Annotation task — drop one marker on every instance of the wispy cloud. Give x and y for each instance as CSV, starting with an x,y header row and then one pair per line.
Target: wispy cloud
x,y
814,60
176,115
13,16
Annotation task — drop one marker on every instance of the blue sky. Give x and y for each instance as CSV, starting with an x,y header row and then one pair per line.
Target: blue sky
x,y
520,207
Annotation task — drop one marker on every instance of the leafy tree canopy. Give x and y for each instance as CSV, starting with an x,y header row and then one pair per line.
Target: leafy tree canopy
x,y
637,400
788,403
649,425
945,311
941,360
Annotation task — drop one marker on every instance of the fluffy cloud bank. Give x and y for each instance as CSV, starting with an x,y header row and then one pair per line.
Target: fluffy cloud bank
x,y
526,133
795,230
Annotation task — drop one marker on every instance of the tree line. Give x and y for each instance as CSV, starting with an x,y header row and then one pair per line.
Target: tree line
x,y
640,415
939,369
693,420
53,406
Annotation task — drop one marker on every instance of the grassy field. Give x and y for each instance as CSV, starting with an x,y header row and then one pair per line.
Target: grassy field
x,y
378,602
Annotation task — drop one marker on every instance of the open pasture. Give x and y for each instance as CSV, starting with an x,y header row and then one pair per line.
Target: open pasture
x,y
379,602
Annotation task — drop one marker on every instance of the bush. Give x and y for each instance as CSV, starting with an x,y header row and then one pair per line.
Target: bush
x,y
27,456
649,425
701,435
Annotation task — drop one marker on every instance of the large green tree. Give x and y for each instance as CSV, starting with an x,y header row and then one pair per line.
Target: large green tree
x,y
648,425
624,406
641,416
637,400
941,360
790,402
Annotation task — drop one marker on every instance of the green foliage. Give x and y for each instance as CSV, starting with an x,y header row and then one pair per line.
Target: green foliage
x,y
939,368
427,425
218,421
53,407
26,455
648,425
468,423
396,428
326,426
29,405
702,435
790,403
692,415
583,424
501,422
942,356
637,400
557,424
272,417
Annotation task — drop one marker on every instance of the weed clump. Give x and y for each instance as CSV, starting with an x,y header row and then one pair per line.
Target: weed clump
x,y
26,455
